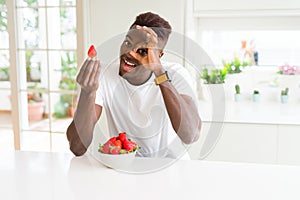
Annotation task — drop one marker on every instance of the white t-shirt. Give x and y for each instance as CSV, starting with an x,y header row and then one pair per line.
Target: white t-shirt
x,y
140,110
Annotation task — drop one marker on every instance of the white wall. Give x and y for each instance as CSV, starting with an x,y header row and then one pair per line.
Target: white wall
x,y
107,19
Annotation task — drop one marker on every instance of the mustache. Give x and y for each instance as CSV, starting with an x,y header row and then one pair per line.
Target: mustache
x,y
130,59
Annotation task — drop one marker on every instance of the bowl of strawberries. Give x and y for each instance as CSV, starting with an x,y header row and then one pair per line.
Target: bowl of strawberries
x,y
118,152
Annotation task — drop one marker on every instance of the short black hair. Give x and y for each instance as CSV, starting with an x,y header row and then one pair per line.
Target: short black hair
x,y
161,27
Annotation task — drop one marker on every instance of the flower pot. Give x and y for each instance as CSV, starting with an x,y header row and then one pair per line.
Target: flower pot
x,y
284,98
256,97
35,111
238,97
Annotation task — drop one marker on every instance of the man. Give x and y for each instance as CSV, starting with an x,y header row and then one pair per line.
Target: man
x,y
147,98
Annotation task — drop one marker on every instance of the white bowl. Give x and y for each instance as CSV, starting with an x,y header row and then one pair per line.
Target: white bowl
x,y
117,161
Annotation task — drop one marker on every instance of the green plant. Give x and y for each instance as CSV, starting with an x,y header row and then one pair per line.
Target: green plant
x,y
35,94
255,92
214,76
68,77
235,65
284,92
4,73
237,89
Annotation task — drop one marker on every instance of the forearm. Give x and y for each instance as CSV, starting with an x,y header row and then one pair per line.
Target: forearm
x,y
182,111
80,132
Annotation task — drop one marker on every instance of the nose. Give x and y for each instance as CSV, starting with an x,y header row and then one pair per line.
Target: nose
x,y
133,53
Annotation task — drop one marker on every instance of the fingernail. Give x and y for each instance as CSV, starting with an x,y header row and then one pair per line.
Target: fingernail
x,y
138,26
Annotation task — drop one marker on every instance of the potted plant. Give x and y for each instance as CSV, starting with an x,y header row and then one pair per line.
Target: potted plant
x,y
237,95
67,83
235,66
36,104
214,76
4,74
255,96
284,95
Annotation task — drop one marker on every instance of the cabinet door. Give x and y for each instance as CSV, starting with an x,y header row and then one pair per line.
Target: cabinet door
x,y
196,148
246,143
289,144
236,5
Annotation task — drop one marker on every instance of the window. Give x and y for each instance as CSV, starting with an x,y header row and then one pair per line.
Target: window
x,y
46,35
276,39
6,133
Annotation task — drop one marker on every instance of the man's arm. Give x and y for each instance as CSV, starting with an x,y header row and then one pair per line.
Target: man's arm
x,y
182,110
80,131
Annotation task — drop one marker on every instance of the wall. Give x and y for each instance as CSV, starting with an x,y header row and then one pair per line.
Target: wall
x,y
109,19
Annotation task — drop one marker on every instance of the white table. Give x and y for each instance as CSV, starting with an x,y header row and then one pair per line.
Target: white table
x,y
42,176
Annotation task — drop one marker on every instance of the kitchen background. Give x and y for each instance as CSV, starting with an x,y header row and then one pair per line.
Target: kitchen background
x,y
254,45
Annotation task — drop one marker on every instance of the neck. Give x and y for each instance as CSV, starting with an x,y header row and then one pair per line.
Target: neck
x,y
139,79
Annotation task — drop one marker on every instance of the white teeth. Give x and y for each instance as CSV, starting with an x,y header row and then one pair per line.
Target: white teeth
x,y
128,63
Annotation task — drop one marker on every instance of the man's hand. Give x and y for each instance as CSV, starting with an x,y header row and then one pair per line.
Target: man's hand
x,y
88,77
154,50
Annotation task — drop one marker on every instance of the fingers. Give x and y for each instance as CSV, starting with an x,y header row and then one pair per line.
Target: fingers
x,y
94,76
80,75
89,73
147,30
151,36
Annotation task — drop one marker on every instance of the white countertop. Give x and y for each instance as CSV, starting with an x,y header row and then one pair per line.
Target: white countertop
x,y
36,175
251,112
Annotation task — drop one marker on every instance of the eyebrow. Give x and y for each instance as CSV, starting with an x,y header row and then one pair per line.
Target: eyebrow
x,y
128,36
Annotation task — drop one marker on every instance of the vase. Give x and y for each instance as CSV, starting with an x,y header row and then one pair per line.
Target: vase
x,y
284,98
256,97
238,97
35,111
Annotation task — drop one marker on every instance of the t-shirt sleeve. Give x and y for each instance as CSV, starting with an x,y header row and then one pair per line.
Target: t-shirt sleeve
x,y
183,81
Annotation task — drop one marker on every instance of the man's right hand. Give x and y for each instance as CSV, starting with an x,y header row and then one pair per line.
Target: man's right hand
x,y
88,77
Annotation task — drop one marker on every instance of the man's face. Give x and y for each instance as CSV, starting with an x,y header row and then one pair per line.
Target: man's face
x,y
133,53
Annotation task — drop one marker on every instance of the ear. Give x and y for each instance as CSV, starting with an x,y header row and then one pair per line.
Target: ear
x,y
161,54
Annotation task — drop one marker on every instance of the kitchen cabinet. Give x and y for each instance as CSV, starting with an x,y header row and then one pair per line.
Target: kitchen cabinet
x,y
240,142
202,6
255,143
289,144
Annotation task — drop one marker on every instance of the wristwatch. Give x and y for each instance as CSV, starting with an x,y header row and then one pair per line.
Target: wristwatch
x,y
162,78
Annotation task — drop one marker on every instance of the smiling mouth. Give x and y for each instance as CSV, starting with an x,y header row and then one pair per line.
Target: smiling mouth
x,y
127,65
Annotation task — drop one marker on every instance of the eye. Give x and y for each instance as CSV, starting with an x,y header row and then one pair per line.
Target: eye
x,y
142,51
127,44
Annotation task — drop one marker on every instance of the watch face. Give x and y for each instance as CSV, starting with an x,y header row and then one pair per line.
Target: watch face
x,y
162,78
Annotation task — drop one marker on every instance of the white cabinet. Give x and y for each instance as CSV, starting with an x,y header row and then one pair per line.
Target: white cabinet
x,y
239,143
289,144
234,5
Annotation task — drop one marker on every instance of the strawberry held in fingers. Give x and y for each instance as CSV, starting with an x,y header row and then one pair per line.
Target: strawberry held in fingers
x,y
92,52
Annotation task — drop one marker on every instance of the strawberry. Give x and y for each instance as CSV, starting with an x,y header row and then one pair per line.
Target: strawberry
x,y
118,143
92,51
106,147
129,146
113,139
122,136
114,150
